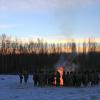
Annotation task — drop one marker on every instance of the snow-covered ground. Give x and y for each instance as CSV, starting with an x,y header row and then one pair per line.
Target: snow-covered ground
x,y
10,89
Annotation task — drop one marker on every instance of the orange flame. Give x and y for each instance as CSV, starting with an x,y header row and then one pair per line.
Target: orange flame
x,y
60,70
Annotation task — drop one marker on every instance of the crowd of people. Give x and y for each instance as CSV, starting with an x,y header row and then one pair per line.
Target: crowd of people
x,y
77,79
70,79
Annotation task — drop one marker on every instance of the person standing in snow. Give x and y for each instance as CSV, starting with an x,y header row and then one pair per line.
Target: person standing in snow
x,y
40,77
20,76
35,78
57,79
25,74
64,78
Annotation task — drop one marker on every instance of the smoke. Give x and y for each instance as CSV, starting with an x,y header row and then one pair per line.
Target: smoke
x,y
65,61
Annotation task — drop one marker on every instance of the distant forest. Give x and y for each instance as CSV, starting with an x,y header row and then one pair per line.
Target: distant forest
x,y
37,55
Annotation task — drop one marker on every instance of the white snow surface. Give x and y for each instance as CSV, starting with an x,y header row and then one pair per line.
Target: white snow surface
x,y
10,89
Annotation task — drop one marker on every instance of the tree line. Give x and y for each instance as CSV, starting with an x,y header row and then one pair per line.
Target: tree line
x,y
36,55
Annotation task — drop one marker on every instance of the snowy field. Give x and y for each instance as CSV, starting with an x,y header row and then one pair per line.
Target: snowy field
x,y
10,89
